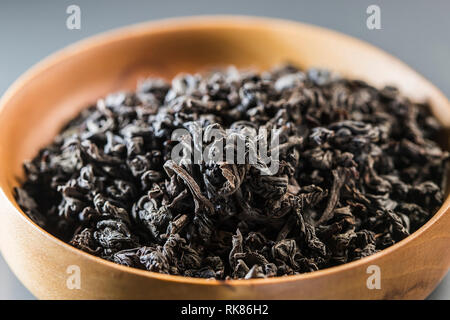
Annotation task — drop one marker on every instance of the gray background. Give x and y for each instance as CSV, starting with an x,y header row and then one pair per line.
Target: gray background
x,y
415,31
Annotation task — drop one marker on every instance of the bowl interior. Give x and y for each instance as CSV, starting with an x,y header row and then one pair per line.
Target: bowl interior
x,y
37,106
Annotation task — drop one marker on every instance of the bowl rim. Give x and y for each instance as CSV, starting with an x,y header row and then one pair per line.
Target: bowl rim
x,y
192,23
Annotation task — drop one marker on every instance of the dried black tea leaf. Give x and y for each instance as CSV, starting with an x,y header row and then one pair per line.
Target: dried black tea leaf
x,y
355,170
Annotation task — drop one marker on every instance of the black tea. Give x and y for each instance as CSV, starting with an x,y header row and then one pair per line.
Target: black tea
x,y
356,170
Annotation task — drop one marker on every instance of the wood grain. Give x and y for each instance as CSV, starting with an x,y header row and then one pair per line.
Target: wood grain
x,y
35,107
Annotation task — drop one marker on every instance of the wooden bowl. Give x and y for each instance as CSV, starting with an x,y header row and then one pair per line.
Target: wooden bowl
x,y
37,105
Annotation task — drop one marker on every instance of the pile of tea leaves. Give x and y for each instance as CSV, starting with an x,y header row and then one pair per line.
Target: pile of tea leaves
x,y
357,170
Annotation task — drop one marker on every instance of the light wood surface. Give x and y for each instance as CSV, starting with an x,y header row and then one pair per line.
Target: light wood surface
x,y
35,107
